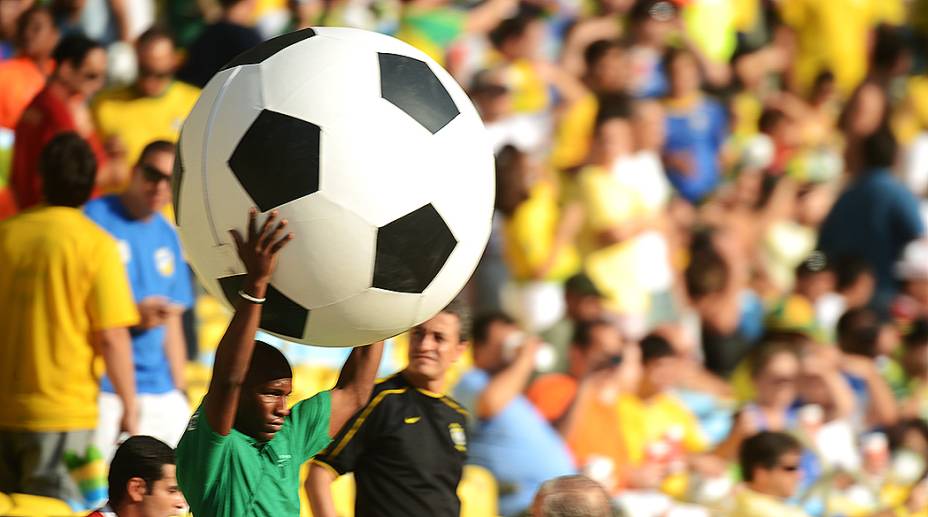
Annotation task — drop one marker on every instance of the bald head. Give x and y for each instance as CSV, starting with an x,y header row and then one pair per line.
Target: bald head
x,y
571,496
267,364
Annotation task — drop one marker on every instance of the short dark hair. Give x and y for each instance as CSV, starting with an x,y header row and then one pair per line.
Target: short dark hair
x,y
151,35
514,26
769,118
706,273
73,49
858,332
771,346
267,363
583,332
158,146
654,347
917,335
879,148
889,46
595,51
69,170
483,322
459,308
612,106
848,270
137,457
764,450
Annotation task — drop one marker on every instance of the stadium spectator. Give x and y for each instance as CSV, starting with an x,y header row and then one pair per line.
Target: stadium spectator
x,y
9,16
106,21
153,108
80,72
875,217
242,451
219,42
506,432
69,302
143,481
24,75
859,333
915,367
583,303
161,287
571,496
413,468
770,467
912,272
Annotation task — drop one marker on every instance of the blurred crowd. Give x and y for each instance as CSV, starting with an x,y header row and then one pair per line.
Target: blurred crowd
x,y
707,284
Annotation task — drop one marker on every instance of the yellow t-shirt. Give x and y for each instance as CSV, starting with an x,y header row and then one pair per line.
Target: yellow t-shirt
x,y
574,134
529,236
749,503
138,120
644,423
832,35
62,278
614,268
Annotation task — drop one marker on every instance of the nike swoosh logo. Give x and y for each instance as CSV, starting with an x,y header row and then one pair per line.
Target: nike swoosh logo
x,y
411,420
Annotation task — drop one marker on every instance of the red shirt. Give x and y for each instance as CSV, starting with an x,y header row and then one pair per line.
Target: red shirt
x,y
46,116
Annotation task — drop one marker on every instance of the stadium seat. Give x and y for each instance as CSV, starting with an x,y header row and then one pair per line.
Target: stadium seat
x,y
342,495
24,505
478,492
6,502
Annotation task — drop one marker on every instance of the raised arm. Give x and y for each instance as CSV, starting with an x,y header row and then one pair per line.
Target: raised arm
x,y
258,251
354,386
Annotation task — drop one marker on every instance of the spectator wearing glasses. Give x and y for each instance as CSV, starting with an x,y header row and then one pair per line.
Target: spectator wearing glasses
x,y
152,108
61,106
161,288
770,468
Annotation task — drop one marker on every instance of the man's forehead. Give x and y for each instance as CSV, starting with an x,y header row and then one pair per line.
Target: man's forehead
x,y
442,322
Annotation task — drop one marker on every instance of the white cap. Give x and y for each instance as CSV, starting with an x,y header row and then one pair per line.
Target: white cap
x,y
914,262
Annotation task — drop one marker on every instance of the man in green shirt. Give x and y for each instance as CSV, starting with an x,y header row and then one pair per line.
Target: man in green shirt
x,y
242,451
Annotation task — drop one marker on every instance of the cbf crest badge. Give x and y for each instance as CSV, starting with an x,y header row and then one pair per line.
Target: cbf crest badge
x,y
458,437
164,261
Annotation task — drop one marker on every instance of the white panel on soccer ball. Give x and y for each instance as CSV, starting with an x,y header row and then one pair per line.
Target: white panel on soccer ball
x,y
306,268
382,161
324,84
373,315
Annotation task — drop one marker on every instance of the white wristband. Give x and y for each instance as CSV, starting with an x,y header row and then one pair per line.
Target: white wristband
x,y
251,298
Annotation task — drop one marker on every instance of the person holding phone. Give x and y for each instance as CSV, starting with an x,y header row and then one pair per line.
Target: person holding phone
x,y
162,289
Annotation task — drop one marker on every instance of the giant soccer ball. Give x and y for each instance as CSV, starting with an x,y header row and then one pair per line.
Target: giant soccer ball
x,y
373,153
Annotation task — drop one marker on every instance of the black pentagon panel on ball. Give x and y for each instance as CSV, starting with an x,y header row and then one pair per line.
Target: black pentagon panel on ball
x,y
280,314
259,53
411,86
411,251
277,159
176,182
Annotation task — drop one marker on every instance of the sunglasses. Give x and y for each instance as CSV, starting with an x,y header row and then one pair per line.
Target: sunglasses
x,y
789,468
153,175
147,73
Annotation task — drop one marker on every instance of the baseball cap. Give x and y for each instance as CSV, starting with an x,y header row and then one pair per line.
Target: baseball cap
x,y
582,284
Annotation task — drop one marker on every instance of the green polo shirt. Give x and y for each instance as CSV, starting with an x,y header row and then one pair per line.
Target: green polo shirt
x,y
237,476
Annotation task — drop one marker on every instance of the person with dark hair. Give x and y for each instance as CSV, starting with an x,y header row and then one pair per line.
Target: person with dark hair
x,y
143,481
912,272
219,42
162,288
581,403
80,71
152,108
69,301
25,74
859,335
875,217
770,467
571,496
507,433
243,448
914,362
583,303
407,447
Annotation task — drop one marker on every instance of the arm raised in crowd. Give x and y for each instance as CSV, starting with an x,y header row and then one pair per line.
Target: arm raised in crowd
x,y
508,383
258,251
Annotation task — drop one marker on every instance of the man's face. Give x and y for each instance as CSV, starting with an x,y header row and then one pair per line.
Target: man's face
x,y
263,408
608,75
164,498
87,78
151,182
662,373
783,479
39,36
605,349
584,307
157,64
435,345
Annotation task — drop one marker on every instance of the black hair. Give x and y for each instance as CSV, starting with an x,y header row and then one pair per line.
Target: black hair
x,y
772,345
848,270
612,106
598,49
858,332
483,322
515,26
879,148
764,450
69,170
706,273
510,190
654,347
896,433
151,35
73,49
267,364
888,47
158,146
769,118
917,335
138,457
583,332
